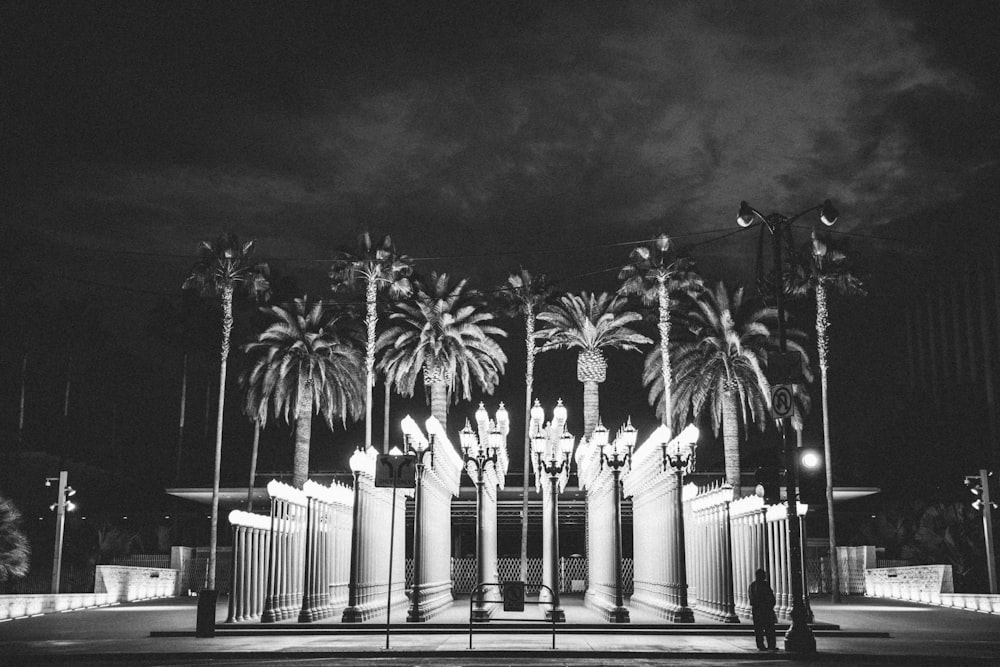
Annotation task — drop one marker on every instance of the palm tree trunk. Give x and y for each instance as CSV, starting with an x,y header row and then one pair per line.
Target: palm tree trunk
x,y
385,418
208,404
303,434
20,410
253,464
371,319
227,330
822,344
529,382
180,422
664,327
591,407
731,439
439,402
65,447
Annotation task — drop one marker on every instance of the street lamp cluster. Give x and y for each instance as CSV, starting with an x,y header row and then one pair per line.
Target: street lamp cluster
x,y
480,454
679,454
616,455
552,446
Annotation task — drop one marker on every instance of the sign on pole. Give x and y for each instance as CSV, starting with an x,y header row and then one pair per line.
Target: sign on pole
x,y
513,596
782,404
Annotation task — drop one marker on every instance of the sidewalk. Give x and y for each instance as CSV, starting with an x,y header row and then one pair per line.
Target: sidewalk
x,y
918,634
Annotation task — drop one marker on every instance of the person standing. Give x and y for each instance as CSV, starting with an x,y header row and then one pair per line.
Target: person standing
x,y
762,605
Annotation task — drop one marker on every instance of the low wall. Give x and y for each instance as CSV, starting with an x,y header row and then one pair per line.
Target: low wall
x,y
124,583
930,584
919,583
18,606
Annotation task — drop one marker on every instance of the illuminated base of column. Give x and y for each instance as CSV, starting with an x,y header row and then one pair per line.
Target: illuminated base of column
x,y
482,614
601,598
434,598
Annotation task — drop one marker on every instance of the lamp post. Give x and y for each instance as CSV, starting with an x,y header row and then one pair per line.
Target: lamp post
x,y
799,637
616,456
679,455
479,452
553,451
62,505
359,461
419,447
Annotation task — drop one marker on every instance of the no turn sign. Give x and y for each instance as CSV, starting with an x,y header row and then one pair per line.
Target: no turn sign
x,y
781,401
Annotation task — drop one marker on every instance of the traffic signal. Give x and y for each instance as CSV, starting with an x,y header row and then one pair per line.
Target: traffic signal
x,y
979,485
768,478
812,477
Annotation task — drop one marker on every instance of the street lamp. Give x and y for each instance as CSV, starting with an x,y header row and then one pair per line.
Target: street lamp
x,y
679,455
478,452
553,452
419,447
799,637
616,456
62,505
358,463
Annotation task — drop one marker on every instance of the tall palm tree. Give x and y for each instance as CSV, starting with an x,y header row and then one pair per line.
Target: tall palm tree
x,y
444,332
223,265
523,296
304,363
15,549
824,269
590,323
378,268
721,367
653,274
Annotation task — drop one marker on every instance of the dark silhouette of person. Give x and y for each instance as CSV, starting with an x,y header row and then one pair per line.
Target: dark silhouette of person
x,y
762,605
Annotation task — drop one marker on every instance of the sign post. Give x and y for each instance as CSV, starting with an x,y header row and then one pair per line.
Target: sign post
x,y
397,471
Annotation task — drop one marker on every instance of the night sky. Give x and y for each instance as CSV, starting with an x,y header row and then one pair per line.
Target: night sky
x,y
483,138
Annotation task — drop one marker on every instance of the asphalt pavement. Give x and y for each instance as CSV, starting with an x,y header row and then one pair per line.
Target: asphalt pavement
x,y
161,632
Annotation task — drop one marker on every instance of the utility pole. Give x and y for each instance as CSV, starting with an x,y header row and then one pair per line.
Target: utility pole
x,y
980,485
60,507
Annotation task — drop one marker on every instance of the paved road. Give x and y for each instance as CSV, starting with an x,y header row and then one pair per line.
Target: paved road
x,y
918,634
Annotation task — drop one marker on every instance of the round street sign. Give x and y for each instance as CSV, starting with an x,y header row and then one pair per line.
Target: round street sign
x,y
781,401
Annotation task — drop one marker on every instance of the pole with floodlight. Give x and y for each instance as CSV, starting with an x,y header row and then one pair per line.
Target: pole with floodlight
x,y
553,449
616,455
799,637
679,455
62,505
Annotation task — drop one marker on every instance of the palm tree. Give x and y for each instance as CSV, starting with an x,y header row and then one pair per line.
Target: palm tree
x,y
304,363
379,268
523,296
590,323
444,332
223,266
721,367
825,269
653,274
15,550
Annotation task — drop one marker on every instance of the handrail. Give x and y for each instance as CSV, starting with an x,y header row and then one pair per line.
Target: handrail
x,y
551,601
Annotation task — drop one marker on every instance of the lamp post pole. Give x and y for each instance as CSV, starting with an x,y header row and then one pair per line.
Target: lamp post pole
x,y
415,614
478,452
553,448
679,455
60,508
618,457
799,638
351,613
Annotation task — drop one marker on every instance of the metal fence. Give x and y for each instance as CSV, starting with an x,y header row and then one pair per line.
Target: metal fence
x,y
572,574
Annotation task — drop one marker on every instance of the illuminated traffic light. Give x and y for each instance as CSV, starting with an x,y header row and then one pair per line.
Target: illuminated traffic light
x,y
812,477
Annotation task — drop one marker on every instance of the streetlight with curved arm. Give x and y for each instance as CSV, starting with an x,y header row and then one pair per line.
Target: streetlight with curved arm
x,y
799,637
